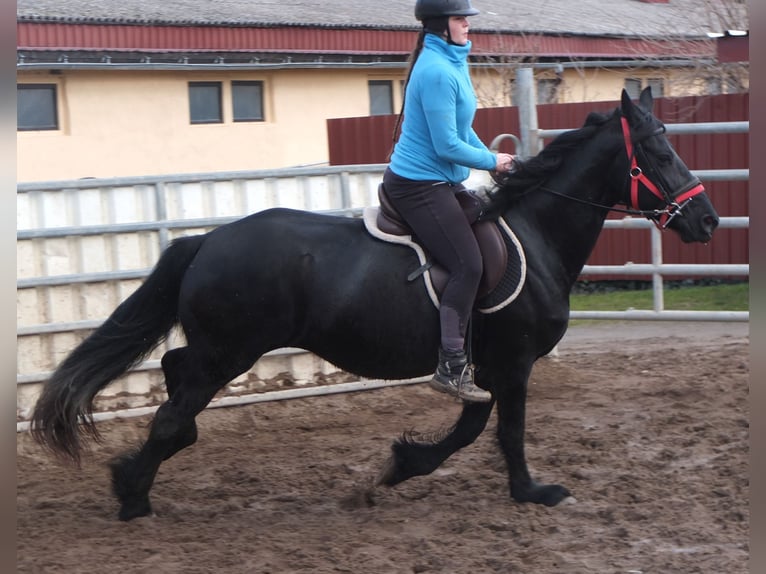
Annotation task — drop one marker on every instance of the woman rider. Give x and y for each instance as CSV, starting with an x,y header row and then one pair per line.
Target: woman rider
x,y
431,159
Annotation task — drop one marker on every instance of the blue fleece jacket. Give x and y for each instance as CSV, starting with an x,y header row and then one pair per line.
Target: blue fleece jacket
x,y
437,141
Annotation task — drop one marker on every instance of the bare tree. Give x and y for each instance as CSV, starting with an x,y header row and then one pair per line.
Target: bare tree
x,y
726,14
695,69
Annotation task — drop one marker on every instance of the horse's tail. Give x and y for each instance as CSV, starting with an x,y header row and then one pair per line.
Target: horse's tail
x,y
132,331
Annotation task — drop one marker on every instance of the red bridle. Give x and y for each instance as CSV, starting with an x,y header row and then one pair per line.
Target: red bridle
x,y
674,205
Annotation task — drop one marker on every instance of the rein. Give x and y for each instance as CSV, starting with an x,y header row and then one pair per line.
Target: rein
x,y
674,203
648,213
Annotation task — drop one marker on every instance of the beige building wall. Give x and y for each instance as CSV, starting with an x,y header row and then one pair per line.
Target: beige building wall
x,y
604,84
120,123
117,123
493,86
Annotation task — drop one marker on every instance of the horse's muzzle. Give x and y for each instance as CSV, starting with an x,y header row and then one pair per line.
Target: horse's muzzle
x,y
709,224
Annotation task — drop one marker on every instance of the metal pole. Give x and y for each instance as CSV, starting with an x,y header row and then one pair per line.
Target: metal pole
x,y
162,214
525,92
345,190
280,395
658,294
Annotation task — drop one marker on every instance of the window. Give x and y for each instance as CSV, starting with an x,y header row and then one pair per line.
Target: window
x,y
633,87
657,85
381,97
36,107
713,85
247,101
547,91
205,102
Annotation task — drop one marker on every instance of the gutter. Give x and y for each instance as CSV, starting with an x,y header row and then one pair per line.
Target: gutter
x,y
146,64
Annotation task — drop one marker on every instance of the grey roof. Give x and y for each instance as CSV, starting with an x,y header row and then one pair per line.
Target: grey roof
x,y
587,17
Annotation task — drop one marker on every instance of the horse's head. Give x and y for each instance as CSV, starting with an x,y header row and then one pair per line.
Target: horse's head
x,y
660,184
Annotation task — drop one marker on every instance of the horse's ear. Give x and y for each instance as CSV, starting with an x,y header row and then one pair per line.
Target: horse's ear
x,y
626,104
645,100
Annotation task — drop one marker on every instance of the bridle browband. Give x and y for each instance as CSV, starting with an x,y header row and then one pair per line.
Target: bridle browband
x,y
674,203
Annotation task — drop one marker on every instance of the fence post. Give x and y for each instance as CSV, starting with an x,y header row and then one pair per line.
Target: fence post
x,y
525,91
162,214
658,295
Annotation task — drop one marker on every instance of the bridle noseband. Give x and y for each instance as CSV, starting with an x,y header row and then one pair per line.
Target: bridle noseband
x,y
674,203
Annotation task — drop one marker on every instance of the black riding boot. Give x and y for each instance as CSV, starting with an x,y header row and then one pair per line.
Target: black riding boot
x,y
455,377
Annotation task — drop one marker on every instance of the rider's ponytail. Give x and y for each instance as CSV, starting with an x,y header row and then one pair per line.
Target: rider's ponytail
x,y
410,65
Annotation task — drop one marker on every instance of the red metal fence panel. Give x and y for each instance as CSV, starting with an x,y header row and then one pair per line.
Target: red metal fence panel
x,y
368,140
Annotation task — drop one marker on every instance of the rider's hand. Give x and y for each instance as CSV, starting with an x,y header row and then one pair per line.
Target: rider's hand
x,y
504,162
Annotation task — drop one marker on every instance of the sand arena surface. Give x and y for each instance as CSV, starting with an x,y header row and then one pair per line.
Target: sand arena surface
x,y
647,426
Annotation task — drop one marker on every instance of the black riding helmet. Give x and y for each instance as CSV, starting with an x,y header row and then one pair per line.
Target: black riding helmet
x,y
435,14
429,9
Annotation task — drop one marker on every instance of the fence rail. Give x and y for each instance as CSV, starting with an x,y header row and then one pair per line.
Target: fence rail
x,y
678,129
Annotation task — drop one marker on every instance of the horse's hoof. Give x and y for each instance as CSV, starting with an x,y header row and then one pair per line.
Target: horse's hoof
x,y
387,473
547,494
137,509
133,503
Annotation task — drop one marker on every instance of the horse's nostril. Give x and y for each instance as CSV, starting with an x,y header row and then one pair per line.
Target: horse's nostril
x,y
710,222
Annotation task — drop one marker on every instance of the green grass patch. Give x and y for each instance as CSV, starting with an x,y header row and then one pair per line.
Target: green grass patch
x,y
723,297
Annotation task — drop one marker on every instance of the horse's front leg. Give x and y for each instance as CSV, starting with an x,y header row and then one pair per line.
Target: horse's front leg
x,y
511,395
410,457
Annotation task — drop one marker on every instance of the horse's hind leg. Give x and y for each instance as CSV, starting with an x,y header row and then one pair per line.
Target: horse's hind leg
x,y
171,362
193,383
412,458
133,473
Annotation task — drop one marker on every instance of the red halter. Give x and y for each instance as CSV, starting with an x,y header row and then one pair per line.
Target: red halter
x,y
673,204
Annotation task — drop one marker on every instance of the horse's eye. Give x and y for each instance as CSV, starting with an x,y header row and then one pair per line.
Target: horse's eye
x,y
664,159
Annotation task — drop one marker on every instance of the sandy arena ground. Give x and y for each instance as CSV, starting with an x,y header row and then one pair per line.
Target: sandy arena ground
x,y
646,424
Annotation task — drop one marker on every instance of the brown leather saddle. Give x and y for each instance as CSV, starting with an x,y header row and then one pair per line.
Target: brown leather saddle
x,y
494,251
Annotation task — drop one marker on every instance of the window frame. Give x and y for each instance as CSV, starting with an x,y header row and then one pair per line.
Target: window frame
x,y
547,91
381,83
658,86
54,89
243,83
206,84
632,85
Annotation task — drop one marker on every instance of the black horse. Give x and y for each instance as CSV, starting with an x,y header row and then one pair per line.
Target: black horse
x,y
283,278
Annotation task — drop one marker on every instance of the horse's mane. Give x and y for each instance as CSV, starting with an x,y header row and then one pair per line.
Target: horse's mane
x,y
537,168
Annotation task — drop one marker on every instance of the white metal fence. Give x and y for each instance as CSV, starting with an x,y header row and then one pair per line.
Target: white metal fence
x,y
83,246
